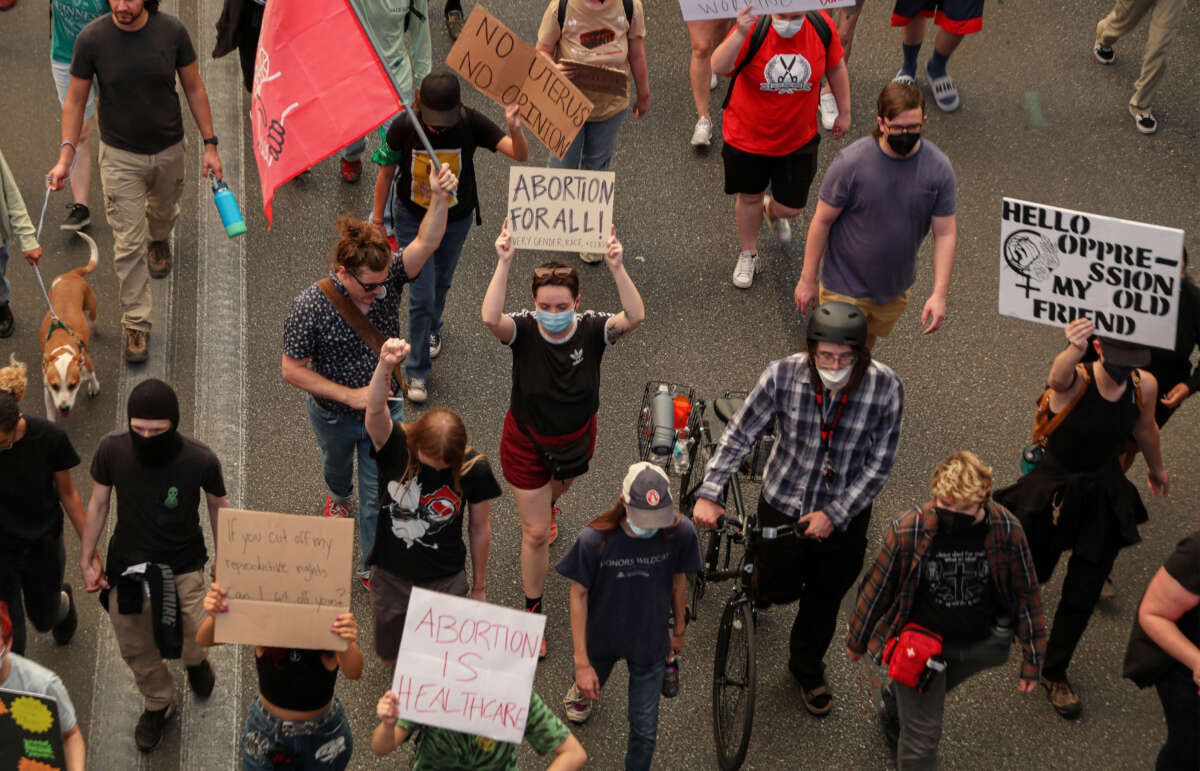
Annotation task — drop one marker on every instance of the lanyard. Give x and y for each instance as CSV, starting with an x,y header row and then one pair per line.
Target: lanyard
x,y
827,429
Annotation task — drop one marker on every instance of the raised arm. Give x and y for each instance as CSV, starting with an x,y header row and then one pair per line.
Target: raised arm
x,y
388,735
724,56
1062,370
494,318
350,660
514,145
634,310
433,224
378,418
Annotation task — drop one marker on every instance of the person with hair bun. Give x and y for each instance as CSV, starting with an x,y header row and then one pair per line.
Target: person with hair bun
x,y
36,458
325,356
958,567
430,477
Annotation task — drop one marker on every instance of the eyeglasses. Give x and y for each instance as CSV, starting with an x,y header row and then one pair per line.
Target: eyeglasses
x,y
911,128
556,272
371,287
825,359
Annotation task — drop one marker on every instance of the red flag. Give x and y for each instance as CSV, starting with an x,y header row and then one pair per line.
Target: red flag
x,y
318,86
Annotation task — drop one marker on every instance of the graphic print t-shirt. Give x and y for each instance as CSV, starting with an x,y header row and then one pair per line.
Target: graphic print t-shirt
x,y
597,37
773,108
629,582
556,385
956,597
419,536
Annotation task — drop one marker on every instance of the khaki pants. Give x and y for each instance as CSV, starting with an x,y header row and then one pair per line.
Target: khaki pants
x,y
135,637
141,199
1165,18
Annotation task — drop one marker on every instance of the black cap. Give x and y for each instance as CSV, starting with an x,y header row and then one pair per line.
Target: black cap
x,y
440,98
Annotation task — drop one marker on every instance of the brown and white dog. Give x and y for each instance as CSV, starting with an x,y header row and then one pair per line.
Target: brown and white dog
x,y
65,361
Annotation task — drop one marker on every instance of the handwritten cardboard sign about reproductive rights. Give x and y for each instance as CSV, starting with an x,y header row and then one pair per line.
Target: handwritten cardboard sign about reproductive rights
x,y
694,10
467,665
559,209
286,578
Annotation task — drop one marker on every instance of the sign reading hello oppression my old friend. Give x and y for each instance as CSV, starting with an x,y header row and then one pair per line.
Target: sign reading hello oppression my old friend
x,y
1057,265
694,10
510,71
286,578
560,209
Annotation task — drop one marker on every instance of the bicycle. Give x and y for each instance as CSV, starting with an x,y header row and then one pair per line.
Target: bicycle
x,y
734,663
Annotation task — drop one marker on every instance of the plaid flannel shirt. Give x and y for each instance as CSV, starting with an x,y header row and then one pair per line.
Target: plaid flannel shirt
x,y
889,588
861,451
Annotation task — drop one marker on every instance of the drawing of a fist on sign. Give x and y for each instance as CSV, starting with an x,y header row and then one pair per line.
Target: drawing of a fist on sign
x,y
272,133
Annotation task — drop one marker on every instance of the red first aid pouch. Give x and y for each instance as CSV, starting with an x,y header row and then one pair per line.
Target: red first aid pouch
x,y
906,654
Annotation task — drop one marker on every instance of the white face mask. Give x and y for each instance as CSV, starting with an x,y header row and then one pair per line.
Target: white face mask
x,y
785,28
834,378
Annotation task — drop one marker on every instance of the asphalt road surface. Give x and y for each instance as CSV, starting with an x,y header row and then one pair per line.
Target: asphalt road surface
x,y
1040,121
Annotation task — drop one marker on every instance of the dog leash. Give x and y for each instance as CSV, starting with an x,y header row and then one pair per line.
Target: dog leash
x,y
41,220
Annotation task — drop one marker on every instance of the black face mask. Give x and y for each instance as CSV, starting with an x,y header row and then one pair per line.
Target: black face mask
x,y
953,521
156,450
902,144
1118,372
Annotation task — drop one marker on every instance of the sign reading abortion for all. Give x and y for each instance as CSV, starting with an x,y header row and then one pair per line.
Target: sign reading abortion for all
x,y
560,210
727,9
286,578
467,665
1057,265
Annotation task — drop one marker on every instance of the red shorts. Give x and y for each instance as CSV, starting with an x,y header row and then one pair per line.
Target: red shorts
x,y
962,17
519,459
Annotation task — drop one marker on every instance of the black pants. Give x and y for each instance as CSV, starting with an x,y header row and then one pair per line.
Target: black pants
x,y
251,26
36,571
1181,708
818,574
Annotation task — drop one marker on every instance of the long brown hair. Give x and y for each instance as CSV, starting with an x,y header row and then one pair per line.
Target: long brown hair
x,y
611,520
439,433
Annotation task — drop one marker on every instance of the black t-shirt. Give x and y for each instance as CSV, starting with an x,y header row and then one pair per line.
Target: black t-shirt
x,y
454,146
420,535
148,527
1145,661
138,108
556,385
29,505
956,596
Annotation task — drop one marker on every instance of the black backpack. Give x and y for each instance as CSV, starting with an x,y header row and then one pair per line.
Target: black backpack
x,y
562,12
759,35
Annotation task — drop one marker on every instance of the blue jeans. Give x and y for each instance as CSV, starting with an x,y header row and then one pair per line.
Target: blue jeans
x,y
427,292
325,742
594,145
353,151
5,287
340,436
645,686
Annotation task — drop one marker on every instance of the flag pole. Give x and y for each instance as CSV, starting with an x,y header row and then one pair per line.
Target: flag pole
x,y
362,22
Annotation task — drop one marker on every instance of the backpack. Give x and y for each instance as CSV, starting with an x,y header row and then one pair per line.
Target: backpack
x,y
760,34
1044,425
562,12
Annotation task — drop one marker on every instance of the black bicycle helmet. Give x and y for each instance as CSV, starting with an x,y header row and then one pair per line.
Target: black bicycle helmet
x,y
838,322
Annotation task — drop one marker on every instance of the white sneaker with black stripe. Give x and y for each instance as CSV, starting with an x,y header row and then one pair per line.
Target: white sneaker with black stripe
x,y
743,272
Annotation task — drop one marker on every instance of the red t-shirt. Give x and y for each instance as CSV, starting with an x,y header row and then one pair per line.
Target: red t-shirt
x,y
773,108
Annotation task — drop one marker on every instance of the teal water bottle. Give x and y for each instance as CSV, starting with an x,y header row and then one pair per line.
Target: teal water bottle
x,y
227,207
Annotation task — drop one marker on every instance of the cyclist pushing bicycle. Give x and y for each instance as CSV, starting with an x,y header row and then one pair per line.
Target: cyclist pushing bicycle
x,y
837,421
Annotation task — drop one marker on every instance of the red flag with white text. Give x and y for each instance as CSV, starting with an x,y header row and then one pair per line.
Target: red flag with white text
x,y
318,86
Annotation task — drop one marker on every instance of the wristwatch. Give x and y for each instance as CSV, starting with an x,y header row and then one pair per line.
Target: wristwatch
x,y
211,140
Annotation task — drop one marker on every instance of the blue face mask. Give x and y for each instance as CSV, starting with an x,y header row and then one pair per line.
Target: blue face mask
x,y
555,322
640,532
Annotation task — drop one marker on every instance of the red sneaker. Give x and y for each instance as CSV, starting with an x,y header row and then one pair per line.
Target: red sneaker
x,y
351,170
334,508
554,512
6,4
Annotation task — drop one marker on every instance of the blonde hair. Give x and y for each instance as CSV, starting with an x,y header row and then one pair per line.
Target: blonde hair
x,y
962,478
13,378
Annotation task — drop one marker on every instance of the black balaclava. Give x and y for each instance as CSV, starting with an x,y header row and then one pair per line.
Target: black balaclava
x,y
155,400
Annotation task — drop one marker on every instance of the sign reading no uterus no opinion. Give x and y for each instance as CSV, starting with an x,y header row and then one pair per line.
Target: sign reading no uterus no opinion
x,y
560,209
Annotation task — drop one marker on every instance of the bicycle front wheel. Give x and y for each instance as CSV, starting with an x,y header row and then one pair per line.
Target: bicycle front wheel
x,y
734,672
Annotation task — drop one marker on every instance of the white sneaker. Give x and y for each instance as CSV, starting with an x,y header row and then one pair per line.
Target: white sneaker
x,y
828,109
591,258
702,135
417,391
712,83
743,272
779,225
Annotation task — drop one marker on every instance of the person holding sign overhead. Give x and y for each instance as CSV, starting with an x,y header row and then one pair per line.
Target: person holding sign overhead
x,y
455,132
775,64
430,477
550,428
605,33
295,721
1077,497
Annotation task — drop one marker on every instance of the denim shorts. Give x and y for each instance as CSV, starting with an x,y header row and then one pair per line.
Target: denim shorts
x,y
325,742
62,81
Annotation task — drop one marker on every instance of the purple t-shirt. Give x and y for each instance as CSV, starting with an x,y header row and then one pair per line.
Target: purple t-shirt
x,y
886,207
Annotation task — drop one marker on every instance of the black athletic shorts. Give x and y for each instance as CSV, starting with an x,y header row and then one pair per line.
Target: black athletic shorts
x,y
790,176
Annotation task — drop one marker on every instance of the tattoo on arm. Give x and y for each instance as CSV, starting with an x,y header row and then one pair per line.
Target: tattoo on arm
x,y
615,331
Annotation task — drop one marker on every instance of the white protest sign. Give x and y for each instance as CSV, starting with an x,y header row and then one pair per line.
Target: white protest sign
x,y
727,9
1057,265
467,665
560,210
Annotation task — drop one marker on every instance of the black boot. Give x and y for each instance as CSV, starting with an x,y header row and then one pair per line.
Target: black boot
x,y
6,321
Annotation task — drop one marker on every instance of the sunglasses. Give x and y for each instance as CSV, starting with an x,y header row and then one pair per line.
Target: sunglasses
x,y
555,272
371,287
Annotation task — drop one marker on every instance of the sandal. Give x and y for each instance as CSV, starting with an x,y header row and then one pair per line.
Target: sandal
x,y
818,701
454,22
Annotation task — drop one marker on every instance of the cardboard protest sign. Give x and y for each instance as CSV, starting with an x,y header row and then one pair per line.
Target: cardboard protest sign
x,y
467,665
30,734
1057,265
727,9
599,80
508,70
559,209
286,578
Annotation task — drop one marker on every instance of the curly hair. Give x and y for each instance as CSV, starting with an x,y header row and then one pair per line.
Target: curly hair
x,y
13,378
962,479
361,245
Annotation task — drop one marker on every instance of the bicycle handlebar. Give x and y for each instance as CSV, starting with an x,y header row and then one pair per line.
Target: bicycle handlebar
x,y
767,532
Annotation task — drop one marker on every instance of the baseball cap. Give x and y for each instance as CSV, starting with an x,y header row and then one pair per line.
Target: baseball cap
x,y
1125,353
440,97
647,495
